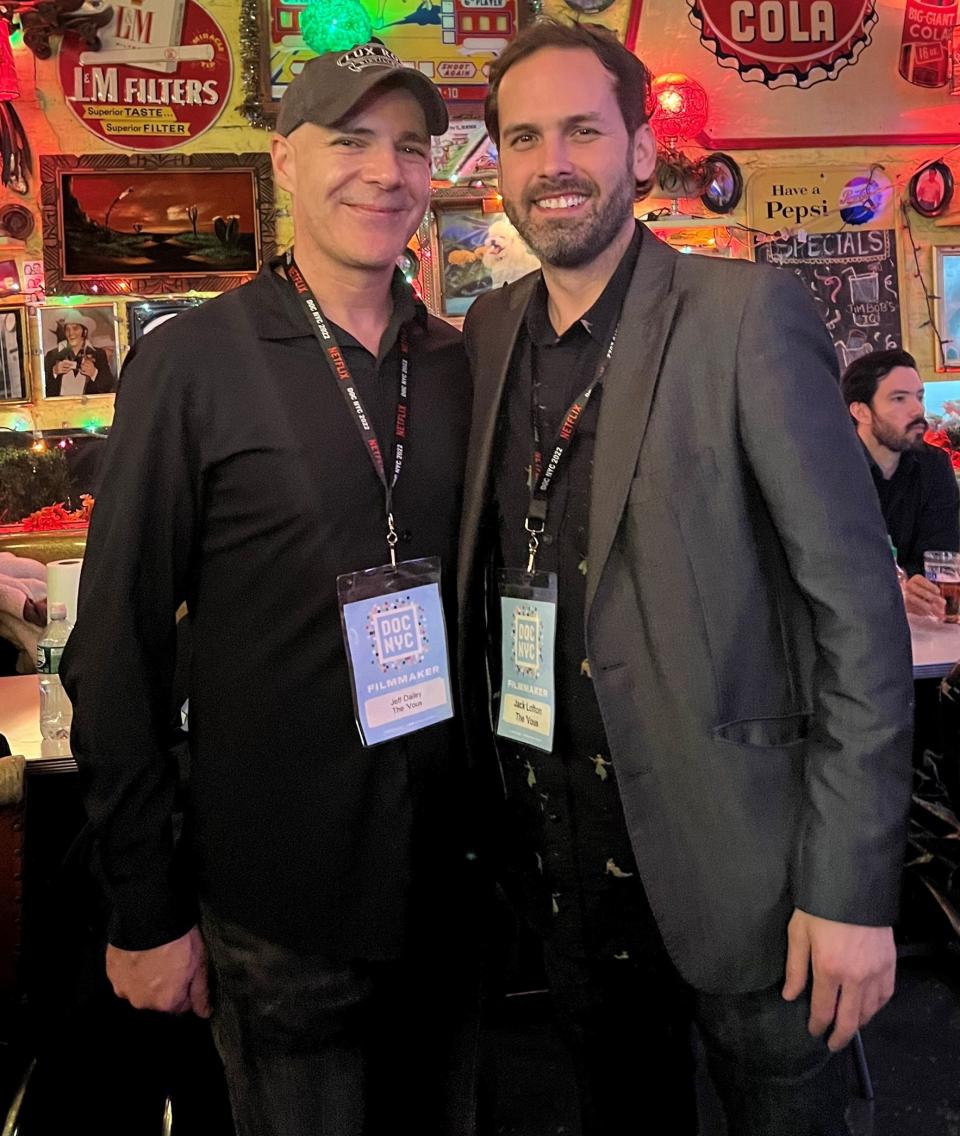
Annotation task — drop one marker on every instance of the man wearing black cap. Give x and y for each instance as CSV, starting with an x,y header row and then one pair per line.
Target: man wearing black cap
x,y
234,480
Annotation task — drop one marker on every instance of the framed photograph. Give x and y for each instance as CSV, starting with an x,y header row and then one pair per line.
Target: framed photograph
x,y
14,378
79,349
477,249
155,223
931,189
946,287
144,316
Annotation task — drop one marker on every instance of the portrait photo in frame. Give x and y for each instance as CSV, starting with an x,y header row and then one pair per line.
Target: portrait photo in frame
x,y
144,316
946,288
931,189
155,223
476,249
14,368
79,349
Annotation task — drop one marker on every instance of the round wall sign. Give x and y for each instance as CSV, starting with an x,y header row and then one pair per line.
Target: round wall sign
x,y
784,42
161,78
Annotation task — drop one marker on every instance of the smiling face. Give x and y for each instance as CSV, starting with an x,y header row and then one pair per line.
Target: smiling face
x,y
895,414
76,335
359,191
568,168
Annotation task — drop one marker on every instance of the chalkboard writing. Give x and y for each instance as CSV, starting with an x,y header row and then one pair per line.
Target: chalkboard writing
x,y
852,276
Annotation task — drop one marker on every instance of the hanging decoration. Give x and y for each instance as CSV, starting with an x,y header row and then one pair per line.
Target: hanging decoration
x,y
14,149
334,25
43,19
252,106
929,297
678,108
678,111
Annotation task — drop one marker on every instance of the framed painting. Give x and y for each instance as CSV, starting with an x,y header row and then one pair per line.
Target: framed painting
x,y
946,287
476,249
14,377
79,348
144,316
155,223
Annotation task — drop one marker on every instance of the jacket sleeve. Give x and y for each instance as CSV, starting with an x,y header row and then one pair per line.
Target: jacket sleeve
x,y
812,474
119,661
938,525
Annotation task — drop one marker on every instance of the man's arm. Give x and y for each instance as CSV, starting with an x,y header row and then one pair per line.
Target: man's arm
x,y
118,664
96,369
938,525
817,487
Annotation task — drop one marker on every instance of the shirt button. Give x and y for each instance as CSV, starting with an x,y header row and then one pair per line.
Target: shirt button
x,y
405,536
547,538
553,816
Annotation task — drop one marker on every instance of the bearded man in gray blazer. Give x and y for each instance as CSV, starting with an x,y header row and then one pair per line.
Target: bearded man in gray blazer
x,y
706,750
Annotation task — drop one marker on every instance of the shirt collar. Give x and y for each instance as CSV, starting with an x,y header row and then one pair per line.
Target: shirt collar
x,y
908,459
279,315
601,318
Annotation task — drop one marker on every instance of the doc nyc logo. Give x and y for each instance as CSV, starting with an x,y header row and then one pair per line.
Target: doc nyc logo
x,y
397,633
527,652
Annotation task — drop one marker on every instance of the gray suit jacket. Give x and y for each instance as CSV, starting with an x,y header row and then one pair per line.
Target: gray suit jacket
x,y
747,640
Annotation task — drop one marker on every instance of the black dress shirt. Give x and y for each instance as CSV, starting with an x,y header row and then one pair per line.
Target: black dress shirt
x,y
572,865
921,506
235,479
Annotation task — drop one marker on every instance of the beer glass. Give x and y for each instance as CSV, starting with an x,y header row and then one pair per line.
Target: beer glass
x,y
943,568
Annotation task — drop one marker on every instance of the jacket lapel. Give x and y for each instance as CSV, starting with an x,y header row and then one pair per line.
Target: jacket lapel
x,y
492,341
628,388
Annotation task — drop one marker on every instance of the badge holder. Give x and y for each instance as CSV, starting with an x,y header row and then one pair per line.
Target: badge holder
x,y
396,644
528,612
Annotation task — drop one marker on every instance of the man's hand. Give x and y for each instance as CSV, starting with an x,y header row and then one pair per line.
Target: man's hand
x,y
853,972
88,368
65,367
171,978
922,597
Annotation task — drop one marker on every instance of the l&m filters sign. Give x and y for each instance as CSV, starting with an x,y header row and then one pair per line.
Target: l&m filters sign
x,y
161,78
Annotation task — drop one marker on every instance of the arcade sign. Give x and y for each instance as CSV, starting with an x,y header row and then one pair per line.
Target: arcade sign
x,y
784,43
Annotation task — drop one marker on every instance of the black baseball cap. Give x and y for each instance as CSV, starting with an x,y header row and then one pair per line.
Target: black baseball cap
x,y
330,85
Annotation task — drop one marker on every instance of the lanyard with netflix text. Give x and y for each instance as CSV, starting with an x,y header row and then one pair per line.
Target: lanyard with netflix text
x,y
391,615
528,599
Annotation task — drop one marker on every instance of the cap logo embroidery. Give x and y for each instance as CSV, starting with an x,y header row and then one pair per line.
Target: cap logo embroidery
x,y
368,55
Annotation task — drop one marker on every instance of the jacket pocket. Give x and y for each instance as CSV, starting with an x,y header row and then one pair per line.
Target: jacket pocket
x,y
765,733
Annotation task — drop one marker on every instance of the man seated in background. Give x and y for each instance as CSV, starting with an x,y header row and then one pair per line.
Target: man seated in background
x,y
915,482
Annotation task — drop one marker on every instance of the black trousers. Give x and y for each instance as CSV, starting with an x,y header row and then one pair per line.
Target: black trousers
x,y
627,1023
319,1047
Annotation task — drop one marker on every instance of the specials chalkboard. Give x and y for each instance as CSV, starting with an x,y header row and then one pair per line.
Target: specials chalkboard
x,y
852,277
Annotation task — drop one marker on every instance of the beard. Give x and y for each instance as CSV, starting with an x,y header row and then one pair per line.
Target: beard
x,y
573,243
898,440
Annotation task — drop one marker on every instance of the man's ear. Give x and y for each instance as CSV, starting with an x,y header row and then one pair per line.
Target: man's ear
x,y
861,413
283,156
644,153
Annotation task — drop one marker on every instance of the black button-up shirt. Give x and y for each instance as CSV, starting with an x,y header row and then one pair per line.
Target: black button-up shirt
x,y
920,504
235,479
573,864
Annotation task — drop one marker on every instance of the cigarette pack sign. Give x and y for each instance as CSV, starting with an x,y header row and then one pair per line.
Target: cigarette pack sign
x,y
161,78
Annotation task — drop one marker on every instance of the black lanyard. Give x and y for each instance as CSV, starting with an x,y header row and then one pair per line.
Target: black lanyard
x,y
543,476
341,372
